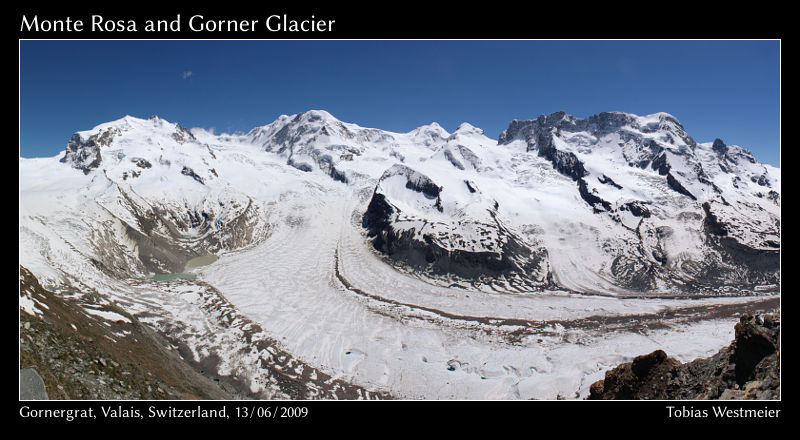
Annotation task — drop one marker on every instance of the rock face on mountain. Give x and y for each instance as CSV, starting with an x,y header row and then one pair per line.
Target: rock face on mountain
x,y
622,164
85,154
407,218
749,368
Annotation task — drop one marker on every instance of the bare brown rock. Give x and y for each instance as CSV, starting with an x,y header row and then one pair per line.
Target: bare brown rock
x,y
749,368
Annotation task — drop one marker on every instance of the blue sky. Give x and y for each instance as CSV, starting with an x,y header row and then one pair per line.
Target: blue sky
x,y
725,89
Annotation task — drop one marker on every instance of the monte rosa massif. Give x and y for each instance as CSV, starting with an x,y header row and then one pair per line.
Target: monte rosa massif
x,y
313,258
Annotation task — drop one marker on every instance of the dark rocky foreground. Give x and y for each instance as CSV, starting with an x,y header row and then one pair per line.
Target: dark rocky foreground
x,y
66,353
749,368
80,357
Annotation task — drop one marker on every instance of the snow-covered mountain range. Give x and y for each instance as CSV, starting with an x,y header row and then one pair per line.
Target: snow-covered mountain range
x,y
615,204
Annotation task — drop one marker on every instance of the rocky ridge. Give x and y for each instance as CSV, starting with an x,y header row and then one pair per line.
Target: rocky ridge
x,y
749,368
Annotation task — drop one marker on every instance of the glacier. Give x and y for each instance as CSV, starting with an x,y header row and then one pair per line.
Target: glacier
x,y
363,263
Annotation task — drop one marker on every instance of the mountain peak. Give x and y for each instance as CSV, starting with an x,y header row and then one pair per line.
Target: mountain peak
x,y
432,131
316,115
598,124
467,128
656,120
432,126
128,122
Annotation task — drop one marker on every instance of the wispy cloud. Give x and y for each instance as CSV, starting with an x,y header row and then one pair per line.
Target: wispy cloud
x,y
627,66
187,74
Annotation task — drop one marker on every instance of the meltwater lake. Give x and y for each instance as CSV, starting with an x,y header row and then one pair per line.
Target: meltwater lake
x,y
186,275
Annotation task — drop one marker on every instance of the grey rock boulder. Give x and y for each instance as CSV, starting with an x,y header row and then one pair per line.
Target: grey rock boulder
x,y
31,385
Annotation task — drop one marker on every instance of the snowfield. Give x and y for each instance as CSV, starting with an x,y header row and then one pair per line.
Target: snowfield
x,y
363,263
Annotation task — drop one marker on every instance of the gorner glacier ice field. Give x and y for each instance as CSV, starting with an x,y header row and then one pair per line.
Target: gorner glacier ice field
x,y
360,263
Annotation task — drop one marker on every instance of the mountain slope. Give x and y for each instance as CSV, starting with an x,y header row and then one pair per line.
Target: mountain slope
x,y
324,228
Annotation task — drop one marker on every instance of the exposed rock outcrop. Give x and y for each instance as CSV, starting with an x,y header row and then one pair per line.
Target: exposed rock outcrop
x,y
83,155
749,368
472,250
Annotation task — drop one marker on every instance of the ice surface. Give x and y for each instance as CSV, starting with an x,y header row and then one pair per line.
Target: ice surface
x,y
315,285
